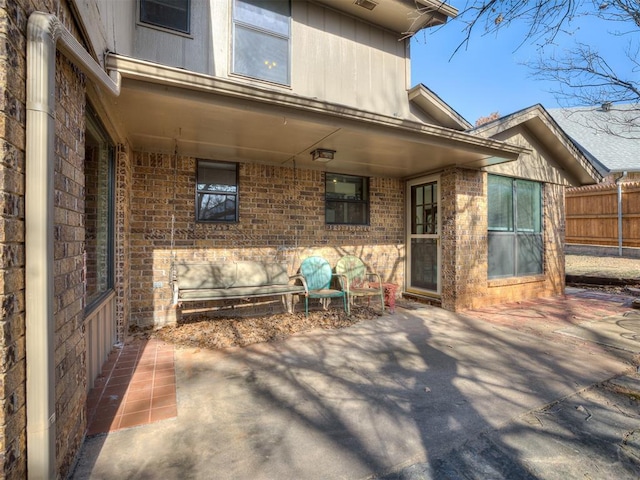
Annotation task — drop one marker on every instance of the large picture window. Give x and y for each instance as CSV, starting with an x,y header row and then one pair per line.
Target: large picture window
x,y
217,191
99,210
347,199
515,227
261,33
170,14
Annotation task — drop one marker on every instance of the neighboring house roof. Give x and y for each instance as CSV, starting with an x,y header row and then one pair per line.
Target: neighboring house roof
x,y
606,135
549,135
437,109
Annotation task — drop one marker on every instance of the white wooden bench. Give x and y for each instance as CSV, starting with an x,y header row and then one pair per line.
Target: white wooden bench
x,y
200,282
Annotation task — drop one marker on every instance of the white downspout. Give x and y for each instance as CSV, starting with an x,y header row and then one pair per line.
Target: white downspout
x,y
44,31
619,184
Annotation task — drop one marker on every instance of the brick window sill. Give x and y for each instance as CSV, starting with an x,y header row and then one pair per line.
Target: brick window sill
x,y
505,282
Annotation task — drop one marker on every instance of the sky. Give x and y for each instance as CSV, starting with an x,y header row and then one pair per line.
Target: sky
x,y
491,74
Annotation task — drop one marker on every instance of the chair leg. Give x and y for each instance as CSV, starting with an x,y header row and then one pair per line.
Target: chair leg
x,y
306,306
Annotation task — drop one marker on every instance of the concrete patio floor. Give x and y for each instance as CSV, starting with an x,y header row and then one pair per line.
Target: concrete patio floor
x,y
423,393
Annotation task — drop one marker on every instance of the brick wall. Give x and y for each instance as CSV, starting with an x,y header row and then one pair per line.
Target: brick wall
x,y
122,240
464,237
69,236
464,246
281,219
12,297
68,211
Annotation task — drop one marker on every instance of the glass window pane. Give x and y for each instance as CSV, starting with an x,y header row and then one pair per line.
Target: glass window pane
x,y
173,14
500,203
529,254
424,263
347,199
99,209
260,55
528,203
219,208
270,15
216,191
217,177
346,213
501,255
431,219
419,220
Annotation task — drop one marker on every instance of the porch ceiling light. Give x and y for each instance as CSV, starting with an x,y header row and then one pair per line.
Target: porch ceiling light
x,y
322,155
368,4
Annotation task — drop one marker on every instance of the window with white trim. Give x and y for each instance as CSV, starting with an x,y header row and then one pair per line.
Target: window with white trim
x,y
261,39
515,227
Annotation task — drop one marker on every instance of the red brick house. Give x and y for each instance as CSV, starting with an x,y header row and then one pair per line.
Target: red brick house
x,y
140,133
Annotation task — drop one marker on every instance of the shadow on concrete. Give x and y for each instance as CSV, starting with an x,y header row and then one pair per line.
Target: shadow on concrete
x,y
424,393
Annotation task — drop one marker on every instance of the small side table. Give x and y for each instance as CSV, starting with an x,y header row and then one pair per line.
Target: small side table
x,y
389,294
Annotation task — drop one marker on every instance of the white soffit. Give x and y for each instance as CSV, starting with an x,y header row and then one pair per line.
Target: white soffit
x,y
210,118
402,16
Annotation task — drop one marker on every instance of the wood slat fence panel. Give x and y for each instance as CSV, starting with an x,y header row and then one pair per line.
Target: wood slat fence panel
x,y
592,215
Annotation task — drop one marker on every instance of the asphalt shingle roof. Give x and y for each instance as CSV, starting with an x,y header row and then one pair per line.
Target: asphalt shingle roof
x,y
610,137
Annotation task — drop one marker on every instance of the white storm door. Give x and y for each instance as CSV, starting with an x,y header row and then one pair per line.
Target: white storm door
x,y
423,236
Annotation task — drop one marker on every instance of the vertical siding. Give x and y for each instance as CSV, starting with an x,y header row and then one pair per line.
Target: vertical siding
x,y
334,57
342,60
191,52
100,337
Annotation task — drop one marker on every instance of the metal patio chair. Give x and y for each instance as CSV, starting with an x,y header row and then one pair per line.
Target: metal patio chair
x,y
358,279
317,275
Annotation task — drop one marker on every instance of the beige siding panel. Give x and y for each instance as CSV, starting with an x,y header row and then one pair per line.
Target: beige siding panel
x,y
118,24
334,57
191,52
100,337
342,60
538,165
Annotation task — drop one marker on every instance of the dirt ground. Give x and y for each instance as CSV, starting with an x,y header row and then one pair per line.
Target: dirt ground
x,y
201,331
616,267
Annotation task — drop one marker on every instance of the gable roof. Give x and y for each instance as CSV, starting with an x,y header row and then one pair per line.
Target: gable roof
x,y
604,134
436,108
542,125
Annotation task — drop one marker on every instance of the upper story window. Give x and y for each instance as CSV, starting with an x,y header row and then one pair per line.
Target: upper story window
x,y
216,191
515,227
346,199
261,38
170,14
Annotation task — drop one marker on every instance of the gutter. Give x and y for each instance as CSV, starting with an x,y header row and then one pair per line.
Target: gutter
x,y
619,185
44,33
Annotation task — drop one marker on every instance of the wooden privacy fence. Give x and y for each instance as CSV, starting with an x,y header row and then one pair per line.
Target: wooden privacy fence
x,y
592,215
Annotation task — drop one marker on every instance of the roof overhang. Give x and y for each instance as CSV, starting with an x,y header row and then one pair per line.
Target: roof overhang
x,y
436,108
164,110
401,16
579,170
